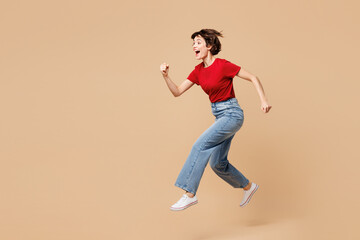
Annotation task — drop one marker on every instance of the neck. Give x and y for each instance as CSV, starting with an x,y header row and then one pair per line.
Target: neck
x,y
208,60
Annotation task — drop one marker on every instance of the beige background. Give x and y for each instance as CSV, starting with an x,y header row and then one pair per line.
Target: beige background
x,y
92,140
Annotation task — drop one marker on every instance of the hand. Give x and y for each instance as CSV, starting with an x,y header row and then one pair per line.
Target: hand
x,y
164,68
265,107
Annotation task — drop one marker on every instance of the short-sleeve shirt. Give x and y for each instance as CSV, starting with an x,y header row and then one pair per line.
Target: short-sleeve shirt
x,y
217,79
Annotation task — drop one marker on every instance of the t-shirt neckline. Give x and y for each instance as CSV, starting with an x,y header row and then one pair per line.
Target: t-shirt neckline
x,y
210,65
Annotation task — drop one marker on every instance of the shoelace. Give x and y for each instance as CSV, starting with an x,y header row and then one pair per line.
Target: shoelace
x,y
183,198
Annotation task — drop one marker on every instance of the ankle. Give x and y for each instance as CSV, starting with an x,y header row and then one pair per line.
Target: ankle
x,y
247,187
190,194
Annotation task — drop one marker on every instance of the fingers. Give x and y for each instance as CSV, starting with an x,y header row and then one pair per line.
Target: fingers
x,y
164,67
266,108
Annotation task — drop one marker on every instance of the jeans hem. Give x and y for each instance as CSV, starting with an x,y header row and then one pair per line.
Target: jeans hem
x,y
247,182
184,188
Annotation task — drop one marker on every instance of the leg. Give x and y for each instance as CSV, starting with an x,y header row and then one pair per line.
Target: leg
x,y
220,165
193,168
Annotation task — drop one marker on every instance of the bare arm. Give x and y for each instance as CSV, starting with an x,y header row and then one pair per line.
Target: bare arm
x,y
259,88
175,90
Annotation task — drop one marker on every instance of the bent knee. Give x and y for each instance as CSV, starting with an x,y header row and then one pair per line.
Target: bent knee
x,y
218,166
215,165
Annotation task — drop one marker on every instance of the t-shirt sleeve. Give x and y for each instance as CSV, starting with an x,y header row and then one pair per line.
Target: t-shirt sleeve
x,y
193,77
231,69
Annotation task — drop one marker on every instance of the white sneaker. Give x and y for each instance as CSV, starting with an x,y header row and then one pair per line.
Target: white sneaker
x,y
184,202
248,194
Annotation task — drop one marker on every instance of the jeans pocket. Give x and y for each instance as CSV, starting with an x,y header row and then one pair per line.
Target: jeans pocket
x,y
237,114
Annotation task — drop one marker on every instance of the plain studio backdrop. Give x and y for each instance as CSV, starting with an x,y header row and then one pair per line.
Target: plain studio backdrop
x,y
92,140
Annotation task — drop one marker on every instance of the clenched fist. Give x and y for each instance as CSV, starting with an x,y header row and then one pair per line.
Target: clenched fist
x,y
164,68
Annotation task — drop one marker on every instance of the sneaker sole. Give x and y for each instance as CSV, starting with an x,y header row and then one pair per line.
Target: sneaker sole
x,y
248,200
178,209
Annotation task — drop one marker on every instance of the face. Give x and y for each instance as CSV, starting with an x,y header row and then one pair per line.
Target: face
x,y
199,47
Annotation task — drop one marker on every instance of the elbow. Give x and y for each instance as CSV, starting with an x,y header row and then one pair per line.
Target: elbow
x,y
177,93
254,79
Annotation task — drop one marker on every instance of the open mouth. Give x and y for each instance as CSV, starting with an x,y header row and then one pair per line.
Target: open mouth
x,y
197,52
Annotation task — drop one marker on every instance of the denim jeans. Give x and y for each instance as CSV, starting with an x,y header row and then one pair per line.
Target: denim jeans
x,y
214,145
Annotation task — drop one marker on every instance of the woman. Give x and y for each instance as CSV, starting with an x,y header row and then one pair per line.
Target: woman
x,y
215,76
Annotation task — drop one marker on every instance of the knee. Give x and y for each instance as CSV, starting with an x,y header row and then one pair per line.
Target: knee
x,y
198,146
218,166
212,164
215,165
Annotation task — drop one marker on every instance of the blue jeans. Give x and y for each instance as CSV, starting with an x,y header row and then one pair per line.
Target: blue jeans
x,y
214,145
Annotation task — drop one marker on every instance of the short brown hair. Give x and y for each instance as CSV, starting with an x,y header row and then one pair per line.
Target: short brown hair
x,y
211,38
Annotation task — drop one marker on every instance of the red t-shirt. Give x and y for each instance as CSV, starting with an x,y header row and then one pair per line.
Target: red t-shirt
x,y
216,80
